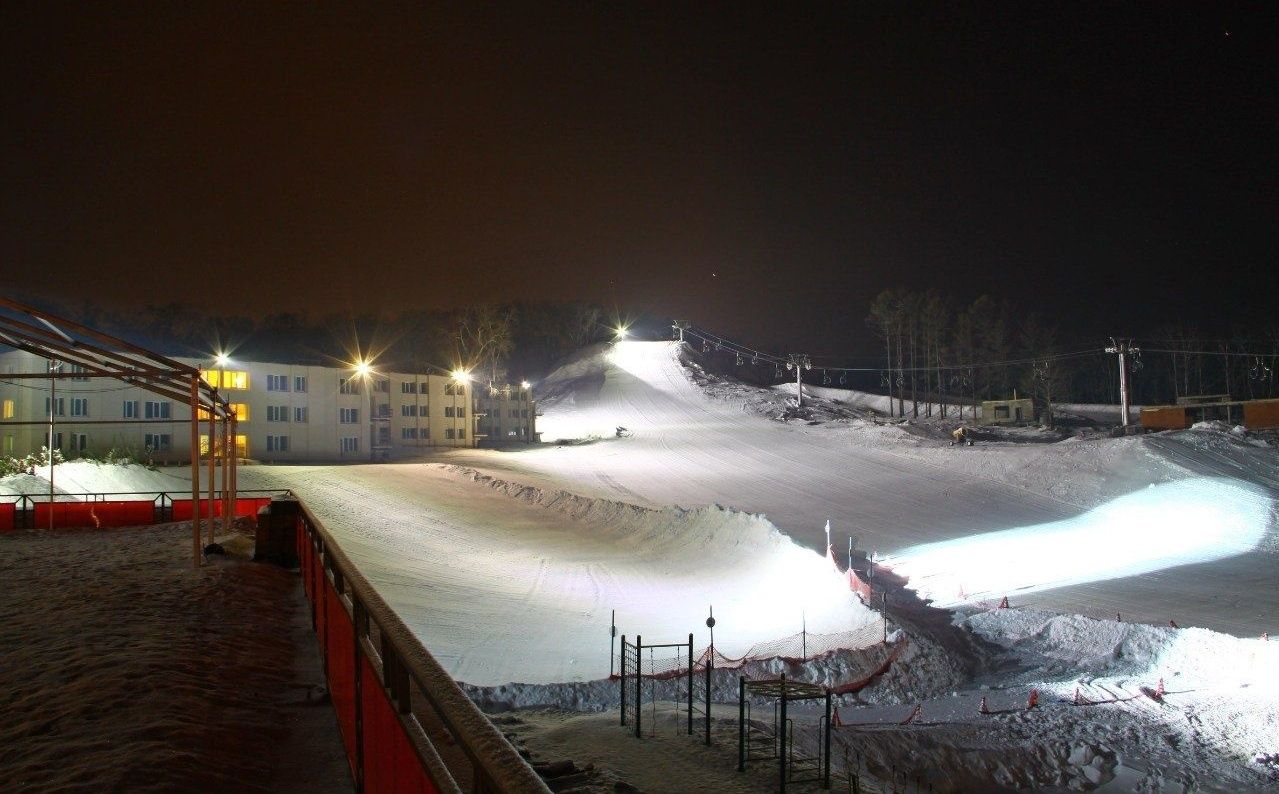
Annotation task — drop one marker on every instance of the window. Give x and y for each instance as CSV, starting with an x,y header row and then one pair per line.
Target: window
x,y
408,410
424,433
277,383
299,383
79,442
130,409
61,406
79,368
524,414
79,406
277,413
383,386
350,444
241,411
383,411
461,432
226,379
299,413
348,416
408,433
57,440
277,443
449,433
408,387
158,410
1001,411
448,410
448,389
515,413
348,386
7,412
158,442
461,412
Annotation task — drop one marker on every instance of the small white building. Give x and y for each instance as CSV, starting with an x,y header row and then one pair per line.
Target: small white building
x,y
285,412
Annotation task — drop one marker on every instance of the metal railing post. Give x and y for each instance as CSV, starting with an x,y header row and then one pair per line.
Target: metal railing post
x,y
690,683
826,761
781,737
622,664
741,723
639,684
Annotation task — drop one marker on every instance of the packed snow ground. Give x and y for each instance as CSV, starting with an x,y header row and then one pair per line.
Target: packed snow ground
x,y
507,563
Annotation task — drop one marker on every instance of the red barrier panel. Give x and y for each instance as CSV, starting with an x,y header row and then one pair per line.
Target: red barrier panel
x,y
243,507
391,765
95,514
8,516
340,656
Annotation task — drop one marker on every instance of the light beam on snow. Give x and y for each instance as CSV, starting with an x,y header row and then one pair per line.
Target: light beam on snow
x,y
1180,523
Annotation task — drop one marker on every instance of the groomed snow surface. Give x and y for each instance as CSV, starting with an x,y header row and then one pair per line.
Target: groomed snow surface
x,y
508,564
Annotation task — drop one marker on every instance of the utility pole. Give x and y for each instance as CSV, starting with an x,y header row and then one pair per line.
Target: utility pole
x,y
1122,348
680,330
799,362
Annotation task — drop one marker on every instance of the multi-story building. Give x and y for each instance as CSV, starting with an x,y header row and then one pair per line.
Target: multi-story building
x,y
507,414
285,412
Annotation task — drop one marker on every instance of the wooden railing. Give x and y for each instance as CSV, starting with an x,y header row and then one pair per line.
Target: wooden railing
x,y
405,723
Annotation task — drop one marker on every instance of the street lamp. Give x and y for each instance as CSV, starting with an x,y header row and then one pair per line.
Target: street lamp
x,y
364,371
621,333
461,377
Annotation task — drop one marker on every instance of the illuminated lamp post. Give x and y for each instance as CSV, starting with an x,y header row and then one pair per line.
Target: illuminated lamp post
x,y
461,377
363,371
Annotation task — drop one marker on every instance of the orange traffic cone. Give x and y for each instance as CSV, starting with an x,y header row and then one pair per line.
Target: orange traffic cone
x,y
982,708
1003,603
1033,701
1159,689
1173,623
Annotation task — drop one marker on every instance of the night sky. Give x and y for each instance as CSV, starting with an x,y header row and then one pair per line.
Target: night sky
x,y
760,172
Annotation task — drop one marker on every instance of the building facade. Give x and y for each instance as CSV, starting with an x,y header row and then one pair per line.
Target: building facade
x,y
285,413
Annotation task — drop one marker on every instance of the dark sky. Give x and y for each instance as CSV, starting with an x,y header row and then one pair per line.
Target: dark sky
x,y
763,172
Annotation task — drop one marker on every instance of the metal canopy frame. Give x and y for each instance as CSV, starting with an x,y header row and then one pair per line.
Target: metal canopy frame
x,y
101,355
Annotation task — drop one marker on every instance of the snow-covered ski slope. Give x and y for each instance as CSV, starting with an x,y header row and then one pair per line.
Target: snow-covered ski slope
x,y
1074,526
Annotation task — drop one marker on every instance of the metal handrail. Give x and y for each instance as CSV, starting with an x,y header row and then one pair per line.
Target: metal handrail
x,y
496,766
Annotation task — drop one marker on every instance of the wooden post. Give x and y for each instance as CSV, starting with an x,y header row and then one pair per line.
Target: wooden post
x,y
228,509
195,467
234,452
213,438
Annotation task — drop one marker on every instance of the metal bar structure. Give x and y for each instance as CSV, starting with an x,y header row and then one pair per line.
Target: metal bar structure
x,y
639,681
101,355
388,663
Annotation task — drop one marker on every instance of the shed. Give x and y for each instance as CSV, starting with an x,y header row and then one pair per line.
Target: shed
x,y
1016,411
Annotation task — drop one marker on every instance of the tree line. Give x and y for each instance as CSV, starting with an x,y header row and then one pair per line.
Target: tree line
x,y
935,351
494,341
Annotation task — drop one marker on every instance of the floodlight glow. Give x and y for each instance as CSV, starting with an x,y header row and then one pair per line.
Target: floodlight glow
x,y
462,376
524,384
1162,526
222,359
363,368
622,332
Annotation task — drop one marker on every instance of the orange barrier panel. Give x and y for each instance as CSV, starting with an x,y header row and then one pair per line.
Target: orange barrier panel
x,y
391,765
1261,414
340,660
1172,417
8,516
